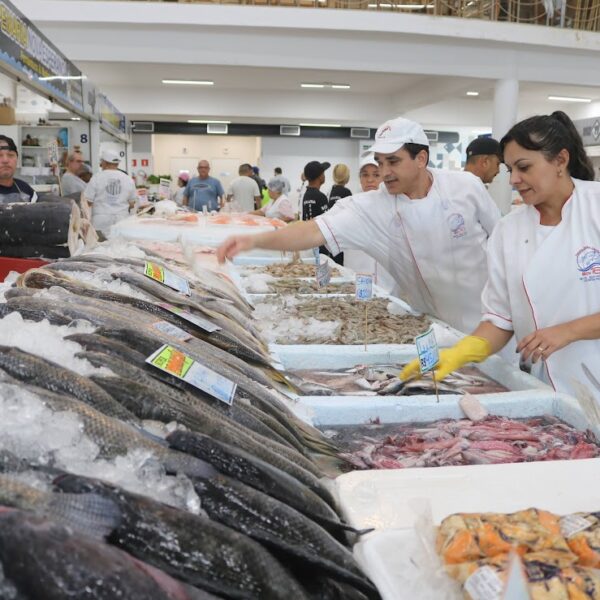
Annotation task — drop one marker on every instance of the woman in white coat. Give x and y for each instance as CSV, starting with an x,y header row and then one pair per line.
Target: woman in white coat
x,y
544,261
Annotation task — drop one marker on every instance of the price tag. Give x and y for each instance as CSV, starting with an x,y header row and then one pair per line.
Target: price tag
x,y
316,255
176,363
53,156
166,277
427,350
484,584
364,286
517,587
572,524
164,188
172,330
323,274
188,316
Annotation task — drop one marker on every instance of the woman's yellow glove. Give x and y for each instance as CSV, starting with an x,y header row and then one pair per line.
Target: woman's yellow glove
x,y
469,349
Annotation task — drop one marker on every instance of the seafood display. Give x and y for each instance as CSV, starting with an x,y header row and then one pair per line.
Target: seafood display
x,y
451,442
301,320
298,286
293,269
123,480
475,549
368,380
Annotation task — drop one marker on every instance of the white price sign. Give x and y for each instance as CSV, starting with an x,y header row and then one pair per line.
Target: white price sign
x,y
164,188
168,278
364,287
323,274
427,350
184,367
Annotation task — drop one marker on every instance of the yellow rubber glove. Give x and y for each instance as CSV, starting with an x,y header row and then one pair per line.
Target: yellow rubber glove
x,y
469,349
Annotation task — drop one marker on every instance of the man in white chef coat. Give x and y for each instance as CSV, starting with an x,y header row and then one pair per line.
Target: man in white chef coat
x,y
427,227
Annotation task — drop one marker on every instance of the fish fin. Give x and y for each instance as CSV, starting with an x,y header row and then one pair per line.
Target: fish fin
x,y
91,514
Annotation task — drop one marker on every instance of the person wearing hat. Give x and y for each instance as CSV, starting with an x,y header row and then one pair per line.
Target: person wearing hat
x,y
314,202
110,192
182,181
279,205
483,158
12,189
428,227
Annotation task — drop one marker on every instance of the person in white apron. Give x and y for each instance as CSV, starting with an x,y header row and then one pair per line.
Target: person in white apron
x,y
544,262
428,227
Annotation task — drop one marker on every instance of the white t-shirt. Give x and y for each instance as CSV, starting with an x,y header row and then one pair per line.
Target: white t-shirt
x,y
282,207
434,247
110,191
244,190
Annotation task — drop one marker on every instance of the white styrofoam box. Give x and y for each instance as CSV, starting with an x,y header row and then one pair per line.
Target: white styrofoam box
x,y
346,357
387,499
348,410
399,565
270,257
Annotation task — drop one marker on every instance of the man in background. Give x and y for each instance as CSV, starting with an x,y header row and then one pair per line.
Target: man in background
x,y
110,192
314,202
12,189
71,182
244,190
280,177
483,158
203,190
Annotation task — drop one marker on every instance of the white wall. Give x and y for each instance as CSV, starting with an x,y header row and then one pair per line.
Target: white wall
x,y
291,154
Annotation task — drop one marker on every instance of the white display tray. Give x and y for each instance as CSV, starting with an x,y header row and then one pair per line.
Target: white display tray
x,y
390,499
349,410
346,357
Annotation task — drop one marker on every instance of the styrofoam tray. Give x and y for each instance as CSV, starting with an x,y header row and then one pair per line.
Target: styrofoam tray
x,y
397,563
386,499
346,357
357,410
269,257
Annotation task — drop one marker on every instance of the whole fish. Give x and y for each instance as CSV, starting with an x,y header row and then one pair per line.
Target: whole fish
x,y
43,559
260,475
43,373
280,527
191,547
90,514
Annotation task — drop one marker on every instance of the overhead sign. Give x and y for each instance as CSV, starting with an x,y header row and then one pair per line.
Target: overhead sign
x,y
24,48
589,130
110,116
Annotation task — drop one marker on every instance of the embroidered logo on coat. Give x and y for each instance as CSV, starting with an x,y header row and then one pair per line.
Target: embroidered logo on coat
x,y
588,263
457,225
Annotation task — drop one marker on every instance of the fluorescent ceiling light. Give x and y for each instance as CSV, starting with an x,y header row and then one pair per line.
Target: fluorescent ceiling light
x,y
75,118
569,99
340,86
333,86
187,82
61,77
312,85
472,93
208,122
319,125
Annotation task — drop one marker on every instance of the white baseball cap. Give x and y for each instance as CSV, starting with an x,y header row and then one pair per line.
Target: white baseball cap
x,y
393,134
110,156
367,159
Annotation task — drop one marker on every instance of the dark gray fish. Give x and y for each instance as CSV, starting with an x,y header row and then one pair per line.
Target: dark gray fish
x,y
193,548
43,559
260,475
43,373
280,527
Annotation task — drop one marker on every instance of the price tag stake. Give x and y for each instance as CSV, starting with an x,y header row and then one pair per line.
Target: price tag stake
x,y
364,293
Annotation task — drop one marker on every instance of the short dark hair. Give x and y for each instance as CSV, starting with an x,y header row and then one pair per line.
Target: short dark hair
x,y
549,134
278,170
414,149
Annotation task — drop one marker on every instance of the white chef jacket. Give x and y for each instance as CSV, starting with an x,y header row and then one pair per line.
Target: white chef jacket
x,y
110,191
540,277
434,247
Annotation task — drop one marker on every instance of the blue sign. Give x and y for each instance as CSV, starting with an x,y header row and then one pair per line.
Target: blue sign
x,y
427,350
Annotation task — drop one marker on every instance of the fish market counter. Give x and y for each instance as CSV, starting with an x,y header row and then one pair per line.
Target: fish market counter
x,y
403,506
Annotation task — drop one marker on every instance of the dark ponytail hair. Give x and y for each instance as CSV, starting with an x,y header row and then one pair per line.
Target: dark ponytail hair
x,y
549,134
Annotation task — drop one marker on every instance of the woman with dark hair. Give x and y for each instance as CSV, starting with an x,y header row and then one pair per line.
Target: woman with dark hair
x,y
543,261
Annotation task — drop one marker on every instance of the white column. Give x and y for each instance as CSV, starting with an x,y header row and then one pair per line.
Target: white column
x,y
506,100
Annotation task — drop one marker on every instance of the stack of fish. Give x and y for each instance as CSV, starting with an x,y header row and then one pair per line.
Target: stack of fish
x,y
452,442
93,452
